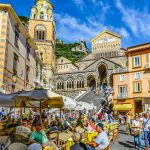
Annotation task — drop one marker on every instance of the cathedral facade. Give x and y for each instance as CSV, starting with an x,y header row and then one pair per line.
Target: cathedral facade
x,y
94,69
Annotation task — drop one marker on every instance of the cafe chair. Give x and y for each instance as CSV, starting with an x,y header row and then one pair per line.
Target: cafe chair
x,y
17,146
53,137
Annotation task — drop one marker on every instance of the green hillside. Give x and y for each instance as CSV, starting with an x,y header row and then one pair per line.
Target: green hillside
x,y
24,19
65,51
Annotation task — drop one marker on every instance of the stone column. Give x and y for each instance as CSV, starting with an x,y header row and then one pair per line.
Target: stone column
x,y
108,80
96,83
65,85
85,84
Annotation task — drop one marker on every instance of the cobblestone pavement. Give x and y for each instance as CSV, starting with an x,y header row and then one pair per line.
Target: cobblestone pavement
x,y
125,141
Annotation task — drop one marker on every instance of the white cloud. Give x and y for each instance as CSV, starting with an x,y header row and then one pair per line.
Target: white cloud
x,y
71,29
137,21
79,3
123,32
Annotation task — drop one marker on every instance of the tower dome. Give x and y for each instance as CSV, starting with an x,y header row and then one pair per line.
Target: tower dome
x,y
43,1
43,10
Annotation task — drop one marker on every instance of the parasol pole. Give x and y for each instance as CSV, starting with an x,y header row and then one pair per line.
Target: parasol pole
x,y
21,114
60,113
40,112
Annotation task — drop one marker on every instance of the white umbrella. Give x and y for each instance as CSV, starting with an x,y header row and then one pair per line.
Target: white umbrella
x,y
84,105
69,103
80,107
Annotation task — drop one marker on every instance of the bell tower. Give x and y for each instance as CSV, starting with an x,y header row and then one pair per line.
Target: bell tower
x,y
42,30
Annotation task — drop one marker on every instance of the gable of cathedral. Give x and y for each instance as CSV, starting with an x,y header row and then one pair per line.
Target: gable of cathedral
x,y
62,60
106,41
110,64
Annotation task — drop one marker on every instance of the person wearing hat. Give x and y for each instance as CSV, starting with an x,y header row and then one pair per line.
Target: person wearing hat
x,y
23,128
39,137
101,140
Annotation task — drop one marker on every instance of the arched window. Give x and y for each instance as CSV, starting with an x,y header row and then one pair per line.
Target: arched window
x,y
80,82
41,15
40,33
60,85
70,83
34,16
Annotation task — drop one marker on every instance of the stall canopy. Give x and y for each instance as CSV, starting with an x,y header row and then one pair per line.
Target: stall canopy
x,y
39,98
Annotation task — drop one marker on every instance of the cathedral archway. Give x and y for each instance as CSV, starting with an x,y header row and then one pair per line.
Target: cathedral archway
x,y
102,70
91,81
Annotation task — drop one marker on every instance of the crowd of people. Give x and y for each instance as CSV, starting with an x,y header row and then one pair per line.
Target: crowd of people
x,y
138,126
32,125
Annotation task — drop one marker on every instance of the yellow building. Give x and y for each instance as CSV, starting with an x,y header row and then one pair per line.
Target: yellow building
x,y
132,84
18,59
42,30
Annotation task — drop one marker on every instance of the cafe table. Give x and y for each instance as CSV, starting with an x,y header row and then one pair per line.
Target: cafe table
x,y
70,143
90,135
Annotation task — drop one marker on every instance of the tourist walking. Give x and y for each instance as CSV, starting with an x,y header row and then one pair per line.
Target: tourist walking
x,y
146,129
137,126
129,117
100,117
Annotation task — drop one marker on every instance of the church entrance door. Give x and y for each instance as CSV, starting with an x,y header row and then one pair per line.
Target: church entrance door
x,y
102,76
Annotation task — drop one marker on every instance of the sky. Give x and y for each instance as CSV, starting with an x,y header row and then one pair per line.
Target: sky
x,y
83,19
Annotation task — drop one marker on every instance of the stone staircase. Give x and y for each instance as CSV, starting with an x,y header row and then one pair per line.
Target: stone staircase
x,y
96,98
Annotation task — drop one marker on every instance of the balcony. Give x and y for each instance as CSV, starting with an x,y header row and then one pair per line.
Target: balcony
x,y
120,70
122,96
45,41
147,67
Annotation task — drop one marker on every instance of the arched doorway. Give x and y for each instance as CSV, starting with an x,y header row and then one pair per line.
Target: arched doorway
x,y
91,81
102,76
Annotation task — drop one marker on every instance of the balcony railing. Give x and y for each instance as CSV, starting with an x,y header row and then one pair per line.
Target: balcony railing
x,y
120,70
123,95
147,66
45,41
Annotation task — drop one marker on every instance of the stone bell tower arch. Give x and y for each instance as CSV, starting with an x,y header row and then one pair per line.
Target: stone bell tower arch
x,y
42,30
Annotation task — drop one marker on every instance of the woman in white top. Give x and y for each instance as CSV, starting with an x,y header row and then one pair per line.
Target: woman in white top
x,y
137,126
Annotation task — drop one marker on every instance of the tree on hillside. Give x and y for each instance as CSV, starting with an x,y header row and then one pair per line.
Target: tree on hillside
x,y
24,19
